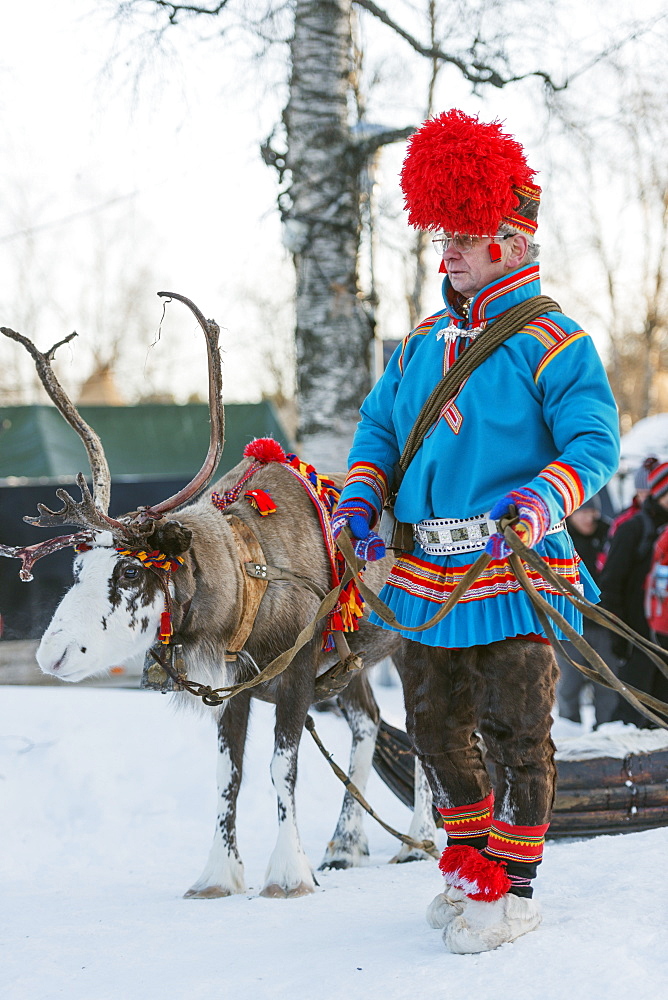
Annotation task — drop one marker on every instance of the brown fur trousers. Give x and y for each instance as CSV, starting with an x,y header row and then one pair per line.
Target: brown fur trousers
x,y
504,692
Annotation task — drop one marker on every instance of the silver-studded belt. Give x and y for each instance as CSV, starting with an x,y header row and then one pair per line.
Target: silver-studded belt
x,y
444,536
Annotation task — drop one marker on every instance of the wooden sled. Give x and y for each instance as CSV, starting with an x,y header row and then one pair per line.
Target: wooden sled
x,y
595,795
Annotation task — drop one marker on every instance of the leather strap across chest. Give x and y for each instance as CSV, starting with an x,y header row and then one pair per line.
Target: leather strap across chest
x,y
507,325
256,575
254,583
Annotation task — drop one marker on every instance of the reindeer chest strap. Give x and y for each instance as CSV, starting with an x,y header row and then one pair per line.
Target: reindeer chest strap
x,y
254,583
256,575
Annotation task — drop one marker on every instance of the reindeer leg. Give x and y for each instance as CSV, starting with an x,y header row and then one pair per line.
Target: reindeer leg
x,y
289,872
349,844
422,825
223,874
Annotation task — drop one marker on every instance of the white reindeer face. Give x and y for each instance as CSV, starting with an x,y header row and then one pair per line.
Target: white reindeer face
x,y
111,613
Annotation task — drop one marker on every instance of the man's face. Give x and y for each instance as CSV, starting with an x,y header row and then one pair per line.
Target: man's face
x,y
469,272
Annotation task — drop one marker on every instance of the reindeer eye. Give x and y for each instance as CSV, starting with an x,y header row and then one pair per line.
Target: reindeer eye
x,y
130,573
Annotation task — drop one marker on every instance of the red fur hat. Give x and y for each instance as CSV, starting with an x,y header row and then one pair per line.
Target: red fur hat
x,y
467,176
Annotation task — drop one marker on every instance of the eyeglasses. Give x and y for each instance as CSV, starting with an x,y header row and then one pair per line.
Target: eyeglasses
x,y
463,242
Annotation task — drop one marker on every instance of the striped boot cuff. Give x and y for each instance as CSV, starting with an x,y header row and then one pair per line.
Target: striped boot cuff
x,y
510,843
465,822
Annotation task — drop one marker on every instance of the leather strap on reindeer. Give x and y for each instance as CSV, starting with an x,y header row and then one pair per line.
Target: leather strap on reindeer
x,y
255,579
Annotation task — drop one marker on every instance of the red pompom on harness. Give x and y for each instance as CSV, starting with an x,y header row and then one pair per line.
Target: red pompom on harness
x,y
264,450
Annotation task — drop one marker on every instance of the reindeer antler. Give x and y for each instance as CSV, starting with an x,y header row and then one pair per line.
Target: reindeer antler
x,y
216,417
29,554
98,463
90,512
85,513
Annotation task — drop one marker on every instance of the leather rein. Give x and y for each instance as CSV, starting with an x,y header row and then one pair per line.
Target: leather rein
x,y
257,573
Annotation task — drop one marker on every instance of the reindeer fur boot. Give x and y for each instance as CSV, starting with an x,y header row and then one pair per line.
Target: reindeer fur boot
x,y
445,907
484,926
489,914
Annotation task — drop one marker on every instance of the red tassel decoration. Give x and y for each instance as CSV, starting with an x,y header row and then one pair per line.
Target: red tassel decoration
x,y
476,875
442,269
494,253
261,500
165,627
264,450
459,174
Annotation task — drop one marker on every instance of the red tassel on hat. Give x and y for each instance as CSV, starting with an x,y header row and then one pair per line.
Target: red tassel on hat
x,y
494,253
463,175
442,268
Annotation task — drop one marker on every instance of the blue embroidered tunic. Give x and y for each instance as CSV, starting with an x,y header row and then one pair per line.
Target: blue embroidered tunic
x,y
538,412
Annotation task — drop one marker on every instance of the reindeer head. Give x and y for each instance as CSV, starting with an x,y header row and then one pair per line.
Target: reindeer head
x,y
113,610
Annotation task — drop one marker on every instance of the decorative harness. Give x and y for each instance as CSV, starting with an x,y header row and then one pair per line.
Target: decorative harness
x,y
341,608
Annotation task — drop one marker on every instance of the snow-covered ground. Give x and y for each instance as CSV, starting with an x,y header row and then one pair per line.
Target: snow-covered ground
x,y
107,814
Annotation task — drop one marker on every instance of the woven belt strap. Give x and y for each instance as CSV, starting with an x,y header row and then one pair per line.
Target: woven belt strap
x,y
446,536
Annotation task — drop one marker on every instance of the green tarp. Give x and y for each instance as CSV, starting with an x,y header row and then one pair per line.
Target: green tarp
x,y
145,442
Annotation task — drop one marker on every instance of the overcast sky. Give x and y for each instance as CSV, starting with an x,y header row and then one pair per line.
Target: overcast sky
x,y
123,163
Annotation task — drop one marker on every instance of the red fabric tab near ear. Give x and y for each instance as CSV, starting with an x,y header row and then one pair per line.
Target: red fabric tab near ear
x,y
494,253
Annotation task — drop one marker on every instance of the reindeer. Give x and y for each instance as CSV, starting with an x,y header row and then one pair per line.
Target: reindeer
x,y
119,598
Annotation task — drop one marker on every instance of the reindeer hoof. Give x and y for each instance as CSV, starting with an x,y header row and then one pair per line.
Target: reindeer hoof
x,y
402,859
275,891
211,892
336,864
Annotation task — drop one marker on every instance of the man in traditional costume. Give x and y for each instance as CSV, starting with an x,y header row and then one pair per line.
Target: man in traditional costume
x,y
534,430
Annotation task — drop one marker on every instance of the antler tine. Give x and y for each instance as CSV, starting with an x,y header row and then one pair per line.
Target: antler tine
x,y
84,514
217,417
93,445
29,554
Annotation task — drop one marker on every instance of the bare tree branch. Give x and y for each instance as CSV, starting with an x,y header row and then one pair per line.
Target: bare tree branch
x,y
174,9
480,73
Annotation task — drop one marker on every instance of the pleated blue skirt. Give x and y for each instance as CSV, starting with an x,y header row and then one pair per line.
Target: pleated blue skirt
x,y
494,608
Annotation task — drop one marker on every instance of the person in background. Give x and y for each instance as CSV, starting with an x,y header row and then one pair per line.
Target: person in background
x,y
622,583
641,484
589,530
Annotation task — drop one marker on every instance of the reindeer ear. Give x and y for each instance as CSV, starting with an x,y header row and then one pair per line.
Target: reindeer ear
x,y
172,538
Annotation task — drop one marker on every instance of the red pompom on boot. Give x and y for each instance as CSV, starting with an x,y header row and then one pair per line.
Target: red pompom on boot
x,y
491,915
478,877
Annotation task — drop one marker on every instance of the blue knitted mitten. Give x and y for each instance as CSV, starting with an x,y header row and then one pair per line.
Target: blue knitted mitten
x,y
534,521
356,515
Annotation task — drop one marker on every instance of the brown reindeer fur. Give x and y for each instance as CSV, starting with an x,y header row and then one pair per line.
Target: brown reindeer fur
x,y
291,539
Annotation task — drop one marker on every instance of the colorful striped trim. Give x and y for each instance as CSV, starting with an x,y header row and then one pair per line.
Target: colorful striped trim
x,y
546,331
567,483
516,843
431,582
420,330
369,475
517,279
453,416
525,215
474,820
557,349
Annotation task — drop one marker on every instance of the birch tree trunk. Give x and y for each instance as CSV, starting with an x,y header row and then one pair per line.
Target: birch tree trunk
x,y
334,327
